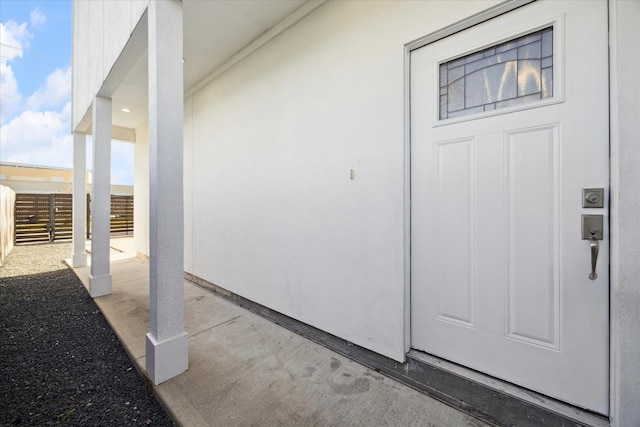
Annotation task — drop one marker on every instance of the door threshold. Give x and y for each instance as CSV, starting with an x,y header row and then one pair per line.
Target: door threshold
x,y
532,397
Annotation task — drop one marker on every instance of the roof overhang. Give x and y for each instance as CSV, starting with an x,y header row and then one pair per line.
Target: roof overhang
x,y
217,35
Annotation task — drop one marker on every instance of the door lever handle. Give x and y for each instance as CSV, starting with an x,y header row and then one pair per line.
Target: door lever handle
x,y
595,248
593,230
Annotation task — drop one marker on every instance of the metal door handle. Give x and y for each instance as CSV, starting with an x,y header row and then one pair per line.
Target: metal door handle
x,y
595,247
593,230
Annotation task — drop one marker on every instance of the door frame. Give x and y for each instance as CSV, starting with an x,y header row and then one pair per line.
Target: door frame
x,y
624,61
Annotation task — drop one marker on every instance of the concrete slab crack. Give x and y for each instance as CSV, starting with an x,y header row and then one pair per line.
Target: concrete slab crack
x,y
214,326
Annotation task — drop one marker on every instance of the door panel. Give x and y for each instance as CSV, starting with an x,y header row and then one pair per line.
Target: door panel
x,y
532,243
499,270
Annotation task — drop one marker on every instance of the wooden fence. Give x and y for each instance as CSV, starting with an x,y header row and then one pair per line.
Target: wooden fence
x,y
48,217
42,217
122,215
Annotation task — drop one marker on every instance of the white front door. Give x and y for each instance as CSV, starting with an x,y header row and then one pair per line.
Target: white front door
x,y
509,123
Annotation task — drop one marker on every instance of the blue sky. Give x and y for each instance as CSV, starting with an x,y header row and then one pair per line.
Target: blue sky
x,y
35,88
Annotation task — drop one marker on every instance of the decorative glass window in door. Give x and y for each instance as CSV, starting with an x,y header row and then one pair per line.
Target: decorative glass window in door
x,y
515,72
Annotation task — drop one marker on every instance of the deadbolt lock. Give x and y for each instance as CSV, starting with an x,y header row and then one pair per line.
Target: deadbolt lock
x,y
593,197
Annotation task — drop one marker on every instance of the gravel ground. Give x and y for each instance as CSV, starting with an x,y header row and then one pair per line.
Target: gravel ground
x,y
60,362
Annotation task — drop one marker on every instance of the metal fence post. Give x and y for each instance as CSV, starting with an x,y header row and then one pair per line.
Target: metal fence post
x,y
51,226
88,216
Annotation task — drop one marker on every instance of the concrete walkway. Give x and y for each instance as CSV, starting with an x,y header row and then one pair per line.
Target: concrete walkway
x,y
245,370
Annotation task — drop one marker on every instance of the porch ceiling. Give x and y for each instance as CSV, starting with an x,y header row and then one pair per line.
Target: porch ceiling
x,y
214,31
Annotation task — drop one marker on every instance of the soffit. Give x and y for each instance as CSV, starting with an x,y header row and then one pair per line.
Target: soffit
x,y
214,31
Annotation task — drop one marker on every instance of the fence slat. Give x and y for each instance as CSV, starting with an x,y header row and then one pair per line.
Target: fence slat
x,y
32,218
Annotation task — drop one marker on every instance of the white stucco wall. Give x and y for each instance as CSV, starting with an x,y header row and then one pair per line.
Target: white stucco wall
x,y
141,192
625,212
275,215
101,30
188,183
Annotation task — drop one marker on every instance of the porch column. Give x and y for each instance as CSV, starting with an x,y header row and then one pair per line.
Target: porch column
x,y
79,255
166,347
100,277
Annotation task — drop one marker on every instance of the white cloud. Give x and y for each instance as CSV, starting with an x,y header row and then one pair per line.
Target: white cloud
x,y
37,18
55,92
41,138
40,133
13,38
9,95
34,137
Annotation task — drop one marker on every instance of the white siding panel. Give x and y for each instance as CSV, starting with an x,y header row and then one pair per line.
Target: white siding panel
x,y
95,45
137,9
81,90
101,31
117,18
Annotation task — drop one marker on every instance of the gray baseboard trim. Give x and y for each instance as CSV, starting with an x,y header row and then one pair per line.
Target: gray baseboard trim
x,y
472,397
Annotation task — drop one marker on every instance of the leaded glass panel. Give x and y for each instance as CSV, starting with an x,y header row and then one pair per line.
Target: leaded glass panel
x,y
514,72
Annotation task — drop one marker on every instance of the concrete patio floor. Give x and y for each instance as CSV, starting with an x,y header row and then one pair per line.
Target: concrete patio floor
x,y
246,370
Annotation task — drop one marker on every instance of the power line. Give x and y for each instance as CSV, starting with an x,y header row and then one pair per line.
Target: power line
x,y
30,52
12,47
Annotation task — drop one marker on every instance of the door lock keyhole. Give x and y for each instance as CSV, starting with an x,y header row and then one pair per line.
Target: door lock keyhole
x,y
593,197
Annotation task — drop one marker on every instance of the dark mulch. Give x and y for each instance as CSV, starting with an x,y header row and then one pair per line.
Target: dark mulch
x,y
60,362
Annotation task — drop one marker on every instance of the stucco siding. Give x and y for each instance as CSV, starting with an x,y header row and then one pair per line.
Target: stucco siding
x,y
101,30
276,217
625,202
188,183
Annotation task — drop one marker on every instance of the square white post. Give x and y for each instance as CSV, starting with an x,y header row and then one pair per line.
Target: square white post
x,y
166,345
100,277
79,255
